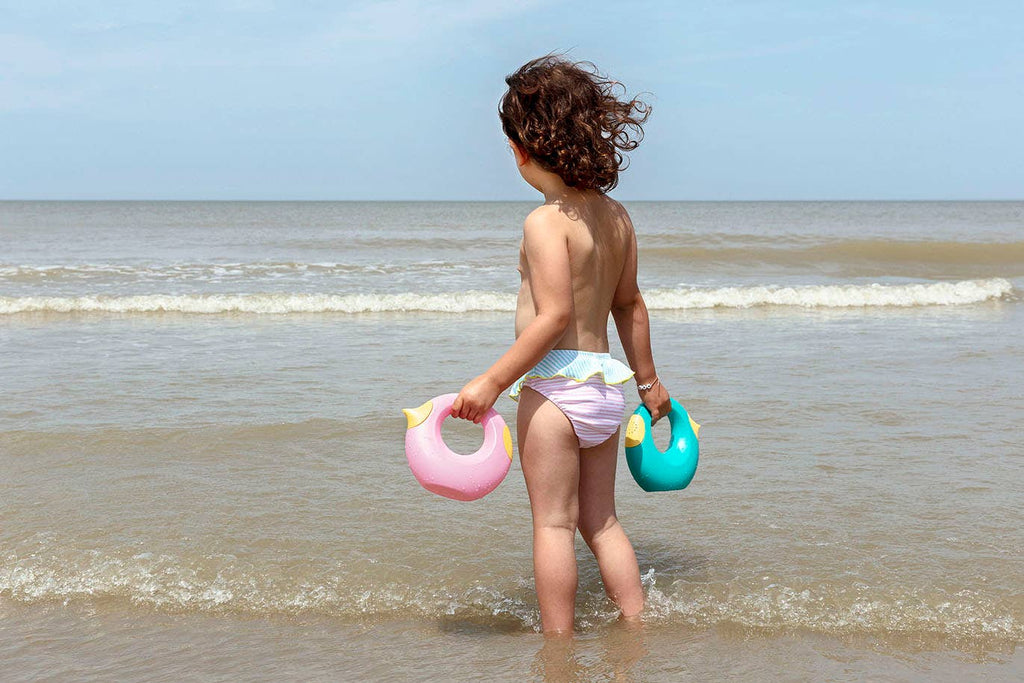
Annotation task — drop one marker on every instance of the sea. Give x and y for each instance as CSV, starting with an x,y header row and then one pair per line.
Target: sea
x,y
203,476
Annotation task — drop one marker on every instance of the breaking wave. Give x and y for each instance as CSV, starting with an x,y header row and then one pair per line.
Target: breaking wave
x,y
226,584
958,293
833,296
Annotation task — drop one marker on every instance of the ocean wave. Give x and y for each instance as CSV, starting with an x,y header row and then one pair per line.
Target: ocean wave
x,y
958,293
875,255
224,583
265,304
833,296
888,252
839,608
218,272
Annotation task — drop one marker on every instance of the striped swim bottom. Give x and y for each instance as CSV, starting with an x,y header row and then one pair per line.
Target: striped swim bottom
x,y
594,408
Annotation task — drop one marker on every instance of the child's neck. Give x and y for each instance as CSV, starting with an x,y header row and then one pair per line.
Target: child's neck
x,y
555,190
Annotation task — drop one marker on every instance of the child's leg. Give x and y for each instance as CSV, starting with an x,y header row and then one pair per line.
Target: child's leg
x,y
601,529
549,453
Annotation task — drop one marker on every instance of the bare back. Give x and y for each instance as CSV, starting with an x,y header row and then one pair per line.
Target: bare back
x,y
598,234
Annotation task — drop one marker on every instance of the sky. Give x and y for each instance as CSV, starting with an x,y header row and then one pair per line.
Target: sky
x,y
393,100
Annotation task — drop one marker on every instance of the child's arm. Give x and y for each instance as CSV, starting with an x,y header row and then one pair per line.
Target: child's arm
x,y
633,324
547,254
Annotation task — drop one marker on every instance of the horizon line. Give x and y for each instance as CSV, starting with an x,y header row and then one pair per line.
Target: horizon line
x,y
495,201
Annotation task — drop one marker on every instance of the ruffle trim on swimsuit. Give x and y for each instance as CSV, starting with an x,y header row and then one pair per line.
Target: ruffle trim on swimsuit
x,y
577,365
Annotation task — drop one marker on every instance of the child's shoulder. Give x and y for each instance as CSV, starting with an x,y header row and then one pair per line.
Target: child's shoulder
x,y
545,219
545,213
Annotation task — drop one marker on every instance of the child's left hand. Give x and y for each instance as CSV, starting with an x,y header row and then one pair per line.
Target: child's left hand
x,y
475,399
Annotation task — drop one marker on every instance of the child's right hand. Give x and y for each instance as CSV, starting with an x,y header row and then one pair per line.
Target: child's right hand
x,y
658,401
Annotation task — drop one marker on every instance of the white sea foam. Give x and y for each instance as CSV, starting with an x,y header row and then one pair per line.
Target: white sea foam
x,y
807,296
221,583
270,304
832,296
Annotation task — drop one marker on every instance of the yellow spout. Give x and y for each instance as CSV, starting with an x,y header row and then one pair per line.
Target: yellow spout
x,y
635,431
508,442
696,428
415,416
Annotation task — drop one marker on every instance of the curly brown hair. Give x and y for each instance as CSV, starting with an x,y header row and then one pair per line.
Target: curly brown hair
x,y
566,116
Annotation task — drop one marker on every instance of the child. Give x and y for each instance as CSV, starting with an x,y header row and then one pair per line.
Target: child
x,y
578,264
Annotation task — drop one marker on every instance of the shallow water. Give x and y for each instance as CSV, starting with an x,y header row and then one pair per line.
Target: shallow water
x,y
225,493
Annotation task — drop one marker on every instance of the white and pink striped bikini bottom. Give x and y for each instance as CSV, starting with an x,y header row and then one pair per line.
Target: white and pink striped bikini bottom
x,y
594,408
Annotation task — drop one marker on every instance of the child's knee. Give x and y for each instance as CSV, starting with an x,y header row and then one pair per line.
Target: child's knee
x,y
566,520
592,527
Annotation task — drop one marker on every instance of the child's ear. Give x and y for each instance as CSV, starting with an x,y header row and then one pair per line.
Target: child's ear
x,y
521,156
